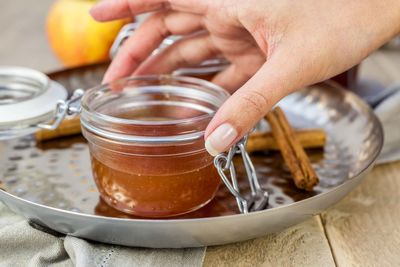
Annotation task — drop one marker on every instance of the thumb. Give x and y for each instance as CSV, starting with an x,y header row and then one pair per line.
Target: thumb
x,y
274,80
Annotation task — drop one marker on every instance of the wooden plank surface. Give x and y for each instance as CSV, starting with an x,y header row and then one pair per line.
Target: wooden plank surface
x,y
302,245
364,228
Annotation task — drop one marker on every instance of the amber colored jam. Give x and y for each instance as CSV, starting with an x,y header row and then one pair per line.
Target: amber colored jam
x,y
204,76
151,185
160,195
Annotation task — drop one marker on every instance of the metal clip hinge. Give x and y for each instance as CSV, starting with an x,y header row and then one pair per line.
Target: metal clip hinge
x,y
64,107
226,169
124,34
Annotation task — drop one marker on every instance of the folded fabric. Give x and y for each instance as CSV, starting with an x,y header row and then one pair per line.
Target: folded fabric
x,y
23,245
389,113
386,104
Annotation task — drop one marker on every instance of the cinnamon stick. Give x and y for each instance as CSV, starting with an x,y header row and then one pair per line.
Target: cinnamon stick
x,y
310,138
304,161
293,153
67,127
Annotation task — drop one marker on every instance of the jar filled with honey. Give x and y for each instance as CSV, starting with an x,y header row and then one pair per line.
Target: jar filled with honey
x,y
146,140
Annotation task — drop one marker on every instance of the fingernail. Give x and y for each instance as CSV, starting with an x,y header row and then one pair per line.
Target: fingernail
x,y
220,140
98,6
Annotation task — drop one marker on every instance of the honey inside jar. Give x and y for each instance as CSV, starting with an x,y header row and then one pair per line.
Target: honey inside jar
x,y
146,139
142,194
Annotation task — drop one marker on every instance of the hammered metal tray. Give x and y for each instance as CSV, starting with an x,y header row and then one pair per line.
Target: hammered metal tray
x,y
51,183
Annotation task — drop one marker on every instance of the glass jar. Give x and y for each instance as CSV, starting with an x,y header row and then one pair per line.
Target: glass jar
x,y
146,140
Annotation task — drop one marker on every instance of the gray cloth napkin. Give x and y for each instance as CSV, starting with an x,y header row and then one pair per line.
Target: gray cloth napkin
x,y
388,112
23,245
386,104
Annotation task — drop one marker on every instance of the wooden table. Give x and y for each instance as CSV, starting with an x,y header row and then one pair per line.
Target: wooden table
x,y
362,230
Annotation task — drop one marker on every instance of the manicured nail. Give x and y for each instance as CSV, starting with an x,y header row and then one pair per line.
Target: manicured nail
x,y
220,140
98,6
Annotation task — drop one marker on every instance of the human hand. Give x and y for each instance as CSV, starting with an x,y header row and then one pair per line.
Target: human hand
x,y
275,47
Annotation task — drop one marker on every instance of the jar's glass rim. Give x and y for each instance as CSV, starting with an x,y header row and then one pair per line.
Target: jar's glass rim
x,y
195,89
21,84
163,78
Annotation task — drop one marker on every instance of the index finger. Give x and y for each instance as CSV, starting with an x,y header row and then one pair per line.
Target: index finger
x,y
116,9
147,38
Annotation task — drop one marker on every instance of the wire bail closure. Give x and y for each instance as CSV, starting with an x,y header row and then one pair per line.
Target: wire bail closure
x,y
69,107
226,169
124,34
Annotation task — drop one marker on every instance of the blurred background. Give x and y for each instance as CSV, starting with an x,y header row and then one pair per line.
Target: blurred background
x,y
23,35
48,35
25,41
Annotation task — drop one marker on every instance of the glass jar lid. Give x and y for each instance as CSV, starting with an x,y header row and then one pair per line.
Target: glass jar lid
x,y
151,109
210,66
27,98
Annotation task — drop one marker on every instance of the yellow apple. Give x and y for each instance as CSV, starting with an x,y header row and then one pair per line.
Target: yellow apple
x,y
75,37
